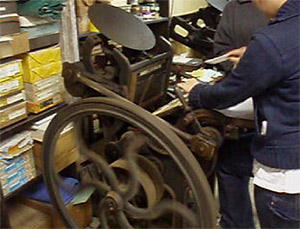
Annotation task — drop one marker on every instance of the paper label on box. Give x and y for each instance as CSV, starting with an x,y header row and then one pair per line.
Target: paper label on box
x,y
57,98
2,8
10,70
48,82
15,98
17,114
12,85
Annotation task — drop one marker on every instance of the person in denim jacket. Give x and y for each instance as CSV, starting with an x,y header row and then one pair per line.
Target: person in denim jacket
x,y
240,21
269,71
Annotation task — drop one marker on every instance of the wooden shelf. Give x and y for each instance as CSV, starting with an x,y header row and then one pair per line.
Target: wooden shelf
x,y
21,125
154,21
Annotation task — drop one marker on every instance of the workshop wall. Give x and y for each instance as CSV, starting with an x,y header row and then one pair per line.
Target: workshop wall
x,y
181,7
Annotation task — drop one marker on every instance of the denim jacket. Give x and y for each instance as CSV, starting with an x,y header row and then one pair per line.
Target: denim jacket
x,y
269,72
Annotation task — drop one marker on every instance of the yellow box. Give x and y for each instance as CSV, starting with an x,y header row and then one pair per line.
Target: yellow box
x,y
42,57
8,100
45,104
44,84
11,85
32,75
10,69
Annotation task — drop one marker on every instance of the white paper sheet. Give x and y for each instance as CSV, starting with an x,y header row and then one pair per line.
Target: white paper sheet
x,y
243,110
217,60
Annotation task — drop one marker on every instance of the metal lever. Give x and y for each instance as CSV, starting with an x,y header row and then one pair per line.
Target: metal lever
x,y
179,94
196,124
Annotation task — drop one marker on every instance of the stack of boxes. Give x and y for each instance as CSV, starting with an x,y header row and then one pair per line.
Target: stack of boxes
x,y
41,31
42,79
12,41
16,162
31,82
12,100
9,19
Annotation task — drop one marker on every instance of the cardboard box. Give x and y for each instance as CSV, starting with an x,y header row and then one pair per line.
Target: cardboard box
x,y
22,216
11,85
15,180
16,171
16,144
8,7
9,164
32,75
44,94
10,69
45,104
11,99
43,89
43,84
12,114
81,213
12,45
43,41
65,154
9,24
42,57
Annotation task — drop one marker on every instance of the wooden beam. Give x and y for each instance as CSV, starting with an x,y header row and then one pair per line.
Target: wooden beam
x,y
69,34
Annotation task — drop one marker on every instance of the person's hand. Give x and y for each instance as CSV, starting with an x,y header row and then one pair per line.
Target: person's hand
x,y
235,55
188,85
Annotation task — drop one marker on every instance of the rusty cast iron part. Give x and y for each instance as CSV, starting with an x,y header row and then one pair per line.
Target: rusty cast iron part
x,y
137,195
145,169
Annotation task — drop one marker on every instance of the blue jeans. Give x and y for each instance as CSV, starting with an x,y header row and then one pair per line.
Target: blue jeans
x,y
277,210
234,169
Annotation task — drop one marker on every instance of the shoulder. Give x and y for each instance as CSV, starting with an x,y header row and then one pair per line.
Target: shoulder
x,y
230,6
284,35
263,41
237,4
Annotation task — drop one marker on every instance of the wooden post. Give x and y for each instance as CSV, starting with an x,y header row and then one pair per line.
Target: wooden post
x,y
4,220
69,34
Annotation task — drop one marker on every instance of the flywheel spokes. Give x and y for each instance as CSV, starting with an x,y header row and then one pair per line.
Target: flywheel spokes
x,y
136,186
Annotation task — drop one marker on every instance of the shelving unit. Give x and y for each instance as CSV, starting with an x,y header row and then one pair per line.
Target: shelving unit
x,y
69,47
154,21
23,124
9,131
160,27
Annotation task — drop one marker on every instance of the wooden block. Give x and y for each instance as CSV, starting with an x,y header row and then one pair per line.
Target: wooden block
x,y
81,213
22,216
14,45
66,151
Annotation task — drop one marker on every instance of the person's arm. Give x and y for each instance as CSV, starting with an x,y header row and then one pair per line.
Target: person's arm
x,y
258,70
223,40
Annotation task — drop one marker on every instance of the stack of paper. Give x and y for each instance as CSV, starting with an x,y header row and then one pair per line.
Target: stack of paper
x,y
39,128
205,75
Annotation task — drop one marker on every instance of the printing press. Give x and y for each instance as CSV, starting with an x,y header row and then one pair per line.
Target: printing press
x,y
147,160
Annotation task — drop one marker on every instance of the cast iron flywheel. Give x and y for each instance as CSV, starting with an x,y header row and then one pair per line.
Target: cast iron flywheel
x,y
136,186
